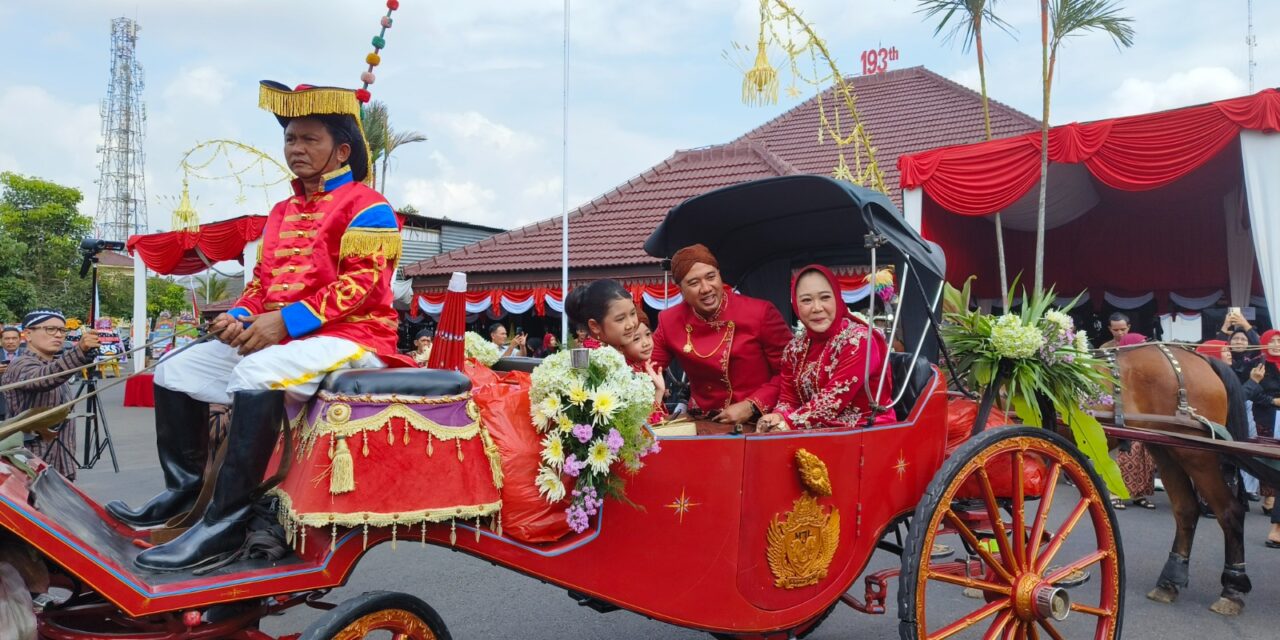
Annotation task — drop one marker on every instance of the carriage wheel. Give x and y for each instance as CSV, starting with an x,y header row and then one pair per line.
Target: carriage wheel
x,y
379,614
1018,565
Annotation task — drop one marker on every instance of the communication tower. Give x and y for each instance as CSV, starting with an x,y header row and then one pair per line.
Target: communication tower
x,y
122,194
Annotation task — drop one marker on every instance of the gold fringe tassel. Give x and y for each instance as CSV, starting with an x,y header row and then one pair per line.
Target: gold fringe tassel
x,y
342,478
366,242
309,102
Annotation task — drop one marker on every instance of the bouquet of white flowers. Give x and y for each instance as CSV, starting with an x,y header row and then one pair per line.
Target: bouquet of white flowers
x,y
481,350
592,418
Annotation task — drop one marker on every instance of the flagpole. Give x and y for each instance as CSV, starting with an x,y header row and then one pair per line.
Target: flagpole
x,y
564,188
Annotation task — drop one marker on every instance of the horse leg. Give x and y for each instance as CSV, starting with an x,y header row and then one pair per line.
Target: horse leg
x,y
1186,514
1206,473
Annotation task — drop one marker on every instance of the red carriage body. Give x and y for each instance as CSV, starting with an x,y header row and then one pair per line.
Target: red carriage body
x,y
744,534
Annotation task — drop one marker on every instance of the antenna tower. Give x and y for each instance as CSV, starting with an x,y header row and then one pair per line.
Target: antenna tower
x,y
122,194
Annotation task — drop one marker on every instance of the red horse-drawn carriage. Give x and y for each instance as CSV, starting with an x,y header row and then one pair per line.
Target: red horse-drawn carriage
x,y
738,533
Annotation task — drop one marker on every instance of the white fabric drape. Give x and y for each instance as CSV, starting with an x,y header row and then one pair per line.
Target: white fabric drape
x,y
1182,327
1071,194
1121,302
913,206
656,302
1239,247
1202,302
1260,155
851,296
1062,301
554,304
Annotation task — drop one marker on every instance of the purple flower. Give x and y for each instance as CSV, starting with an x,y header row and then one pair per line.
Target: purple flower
x,y
577,519
654,449
583,432
614,441
572,467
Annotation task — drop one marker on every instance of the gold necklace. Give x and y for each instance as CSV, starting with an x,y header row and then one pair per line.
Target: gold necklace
x,y
688,340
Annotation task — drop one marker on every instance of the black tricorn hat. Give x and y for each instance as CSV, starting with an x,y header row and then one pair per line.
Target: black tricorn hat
x,y
338,108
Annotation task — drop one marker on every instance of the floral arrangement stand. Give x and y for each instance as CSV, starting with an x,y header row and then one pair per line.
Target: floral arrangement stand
x,y
594,418
388,460
1038,361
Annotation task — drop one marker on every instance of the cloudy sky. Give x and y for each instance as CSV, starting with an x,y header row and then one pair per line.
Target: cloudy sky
x,y
483,80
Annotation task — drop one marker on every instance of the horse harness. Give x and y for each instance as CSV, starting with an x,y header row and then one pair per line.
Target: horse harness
x,y
1185,410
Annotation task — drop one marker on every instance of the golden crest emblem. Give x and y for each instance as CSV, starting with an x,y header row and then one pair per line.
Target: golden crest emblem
x,y
803,542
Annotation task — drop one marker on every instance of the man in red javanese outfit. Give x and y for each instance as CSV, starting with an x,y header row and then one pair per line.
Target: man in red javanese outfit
x,y
319,301
729,345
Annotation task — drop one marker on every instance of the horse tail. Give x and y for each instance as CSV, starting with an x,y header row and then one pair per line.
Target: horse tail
x,y
1237,415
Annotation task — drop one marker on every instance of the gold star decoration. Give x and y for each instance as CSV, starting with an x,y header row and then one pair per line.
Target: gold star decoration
x,y
842,171
901,466
682,505
793,91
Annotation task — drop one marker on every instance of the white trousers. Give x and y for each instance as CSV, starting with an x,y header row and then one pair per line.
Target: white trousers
x,y
212,371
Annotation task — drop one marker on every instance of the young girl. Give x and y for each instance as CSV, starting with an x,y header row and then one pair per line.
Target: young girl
x,y
638,353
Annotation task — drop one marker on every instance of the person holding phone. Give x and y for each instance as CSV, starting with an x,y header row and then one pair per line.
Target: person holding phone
x,y
514,347
1235,321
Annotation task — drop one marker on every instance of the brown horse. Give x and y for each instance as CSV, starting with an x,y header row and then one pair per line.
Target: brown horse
x,y
1166,381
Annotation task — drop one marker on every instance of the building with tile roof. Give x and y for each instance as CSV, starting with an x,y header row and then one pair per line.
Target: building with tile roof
x,y
905,111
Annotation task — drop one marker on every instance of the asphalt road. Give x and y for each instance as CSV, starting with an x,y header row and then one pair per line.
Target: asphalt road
x,y
478,600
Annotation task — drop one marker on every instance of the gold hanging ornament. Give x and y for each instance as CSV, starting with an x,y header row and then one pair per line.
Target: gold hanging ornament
x,y
185,217
760,84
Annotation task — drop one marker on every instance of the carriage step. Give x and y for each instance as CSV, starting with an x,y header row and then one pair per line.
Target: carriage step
x,y
599,606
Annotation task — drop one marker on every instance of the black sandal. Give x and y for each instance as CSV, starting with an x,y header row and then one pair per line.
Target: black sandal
x,y
1118,504
1273,544
1144,503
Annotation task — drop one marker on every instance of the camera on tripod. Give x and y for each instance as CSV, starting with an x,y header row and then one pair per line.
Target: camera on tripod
x,y
91,247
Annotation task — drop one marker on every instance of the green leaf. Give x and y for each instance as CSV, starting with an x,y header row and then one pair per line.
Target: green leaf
x,y
1092,441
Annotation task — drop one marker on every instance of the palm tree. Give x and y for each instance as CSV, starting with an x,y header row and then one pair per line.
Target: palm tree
x,y
374,123
969,17
215,288
1068,18
394,140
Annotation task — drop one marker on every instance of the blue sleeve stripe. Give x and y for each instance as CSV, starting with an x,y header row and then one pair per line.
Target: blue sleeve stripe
x,y
239,312
377,216
299,320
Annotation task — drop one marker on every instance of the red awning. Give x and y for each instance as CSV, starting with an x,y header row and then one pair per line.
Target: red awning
x,y
1136,153
183,253
1135,204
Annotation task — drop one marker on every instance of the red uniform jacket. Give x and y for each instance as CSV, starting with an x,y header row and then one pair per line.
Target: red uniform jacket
x,y
326,264
733,357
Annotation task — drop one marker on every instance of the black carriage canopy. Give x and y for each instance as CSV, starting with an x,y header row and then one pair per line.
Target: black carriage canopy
x,y
762,231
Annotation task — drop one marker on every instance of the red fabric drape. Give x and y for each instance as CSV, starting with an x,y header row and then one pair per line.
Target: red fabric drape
x,y
1136,153
174,252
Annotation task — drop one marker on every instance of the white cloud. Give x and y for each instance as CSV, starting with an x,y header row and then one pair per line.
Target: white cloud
x,y
460,200
45,136
1182,88
471,127
205,83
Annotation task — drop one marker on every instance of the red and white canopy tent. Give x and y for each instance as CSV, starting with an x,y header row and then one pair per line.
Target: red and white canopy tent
x,y
187,252
1173,205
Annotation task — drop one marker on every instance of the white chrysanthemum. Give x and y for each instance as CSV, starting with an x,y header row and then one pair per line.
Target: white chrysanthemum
x,y
578,394
540,419
479,349
1061,322
1012,339
553,451
564,422
604,403
599,457
549,484
1082,341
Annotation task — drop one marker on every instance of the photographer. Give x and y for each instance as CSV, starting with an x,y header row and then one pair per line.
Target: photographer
x,y
46,329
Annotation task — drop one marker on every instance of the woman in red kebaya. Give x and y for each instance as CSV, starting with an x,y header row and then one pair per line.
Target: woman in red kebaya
x,y
825,371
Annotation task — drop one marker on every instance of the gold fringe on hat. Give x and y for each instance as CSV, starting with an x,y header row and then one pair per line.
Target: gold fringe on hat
x,y
309,102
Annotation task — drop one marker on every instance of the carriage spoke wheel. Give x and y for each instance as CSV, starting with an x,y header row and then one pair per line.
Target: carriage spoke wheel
x,y
1011,574
379,615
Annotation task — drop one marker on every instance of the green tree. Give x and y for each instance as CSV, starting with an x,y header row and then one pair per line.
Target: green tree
x,y
164,294
40,233
383,139
969,17
212,288
1059,20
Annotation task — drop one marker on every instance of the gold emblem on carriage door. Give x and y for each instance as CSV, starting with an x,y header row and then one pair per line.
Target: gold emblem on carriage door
x,y
802,544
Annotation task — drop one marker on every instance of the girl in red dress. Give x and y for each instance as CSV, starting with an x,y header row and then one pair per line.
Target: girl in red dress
x,y
612,318
825,367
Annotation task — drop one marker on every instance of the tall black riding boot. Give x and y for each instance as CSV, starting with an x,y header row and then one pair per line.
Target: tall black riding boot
x,y
256,417
182,440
